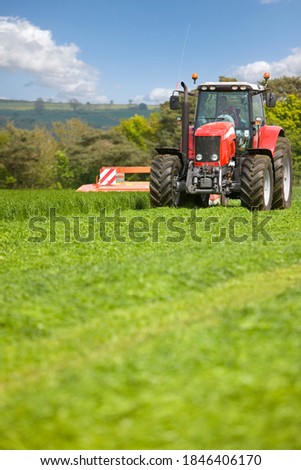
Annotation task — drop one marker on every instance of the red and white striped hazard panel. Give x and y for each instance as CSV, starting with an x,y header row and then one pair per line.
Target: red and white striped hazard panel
x,y
107,176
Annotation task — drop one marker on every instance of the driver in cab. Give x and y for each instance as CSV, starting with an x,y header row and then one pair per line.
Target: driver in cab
x,y
225,108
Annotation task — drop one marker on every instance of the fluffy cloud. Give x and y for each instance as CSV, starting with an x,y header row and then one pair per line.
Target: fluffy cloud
x,y
159,95
155,96
25,47
289,66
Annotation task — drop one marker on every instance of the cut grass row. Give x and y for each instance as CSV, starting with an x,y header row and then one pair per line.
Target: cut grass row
x,y
153,344
21,205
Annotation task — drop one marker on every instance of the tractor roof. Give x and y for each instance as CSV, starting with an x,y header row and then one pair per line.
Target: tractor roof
x,y
229,86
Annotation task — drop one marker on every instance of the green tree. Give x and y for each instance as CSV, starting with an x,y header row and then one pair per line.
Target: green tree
x,y
170,122
287,114
77,140
64,175
28,158
285,86
222,78
74,104
39,105
169,133
4,137
140,130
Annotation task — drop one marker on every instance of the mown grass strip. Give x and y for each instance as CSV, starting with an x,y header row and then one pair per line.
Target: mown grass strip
x,y
207,356
149,345
21,205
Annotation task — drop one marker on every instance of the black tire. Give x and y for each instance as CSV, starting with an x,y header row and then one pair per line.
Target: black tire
x,y
165,171
283,181
202,200
257,183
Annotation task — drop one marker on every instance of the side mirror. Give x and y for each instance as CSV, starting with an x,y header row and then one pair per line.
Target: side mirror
x,y
271,100
174,102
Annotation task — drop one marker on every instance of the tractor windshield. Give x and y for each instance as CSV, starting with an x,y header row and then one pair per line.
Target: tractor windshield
x,y
225,106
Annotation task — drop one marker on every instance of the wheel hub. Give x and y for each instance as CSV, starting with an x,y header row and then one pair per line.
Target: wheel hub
x,y
286,178
267,187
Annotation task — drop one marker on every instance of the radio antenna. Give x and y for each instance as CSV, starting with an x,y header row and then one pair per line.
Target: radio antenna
x,y
183,54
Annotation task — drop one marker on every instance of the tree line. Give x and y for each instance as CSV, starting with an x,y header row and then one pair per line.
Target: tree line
x,y
70,153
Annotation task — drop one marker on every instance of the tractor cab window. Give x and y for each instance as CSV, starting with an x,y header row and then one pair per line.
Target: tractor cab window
x,y
257,106
226,106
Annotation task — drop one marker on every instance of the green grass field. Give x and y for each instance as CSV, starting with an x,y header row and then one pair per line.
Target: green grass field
x,y
160,331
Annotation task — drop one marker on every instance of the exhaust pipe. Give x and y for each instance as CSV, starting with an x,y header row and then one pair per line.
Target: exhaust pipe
x,y
185,127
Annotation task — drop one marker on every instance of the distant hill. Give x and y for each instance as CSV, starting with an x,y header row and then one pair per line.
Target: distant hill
x,y
29,114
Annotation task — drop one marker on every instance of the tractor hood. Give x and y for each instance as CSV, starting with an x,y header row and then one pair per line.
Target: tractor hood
x,y
215,144
221,128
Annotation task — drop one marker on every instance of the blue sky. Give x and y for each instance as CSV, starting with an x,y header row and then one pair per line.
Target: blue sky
x,y
103,50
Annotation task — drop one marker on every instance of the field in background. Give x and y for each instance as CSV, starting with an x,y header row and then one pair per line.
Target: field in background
x,y
155,329
24,114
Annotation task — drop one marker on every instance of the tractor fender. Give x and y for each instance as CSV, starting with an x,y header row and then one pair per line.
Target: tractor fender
x,y
170,151
268,138
173,151
259,151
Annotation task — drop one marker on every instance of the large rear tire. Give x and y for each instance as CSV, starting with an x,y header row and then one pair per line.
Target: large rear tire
x,y
282,196
164,175
257,183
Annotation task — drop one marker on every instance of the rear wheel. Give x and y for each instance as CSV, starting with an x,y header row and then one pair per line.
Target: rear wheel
x,y
283,174
164,176
257,183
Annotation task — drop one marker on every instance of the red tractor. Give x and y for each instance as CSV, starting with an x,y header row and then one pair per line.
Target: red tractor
x,y
229,151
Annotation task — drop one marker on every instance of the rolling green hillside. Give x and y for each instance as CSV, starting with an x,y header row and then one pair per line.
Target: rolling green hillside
x,y
28,114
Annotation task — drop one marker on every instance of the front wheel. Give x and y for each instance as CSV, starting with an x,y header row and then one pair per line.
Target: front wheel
x,y
283,174
257,183
164,176
202,200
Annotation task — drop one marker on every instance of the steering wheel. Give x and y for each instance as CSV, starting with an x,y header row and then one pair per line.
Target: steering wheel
x,y
226,117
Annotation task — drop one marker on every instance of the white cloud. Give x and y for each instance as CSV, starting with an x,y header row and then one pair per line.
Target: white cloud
x,y
155,96
25,47
159,95
289,66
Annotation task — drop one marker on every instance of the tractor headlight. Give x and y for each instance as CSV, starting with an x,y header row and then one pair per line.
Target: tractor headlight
x,y
214,157
199,157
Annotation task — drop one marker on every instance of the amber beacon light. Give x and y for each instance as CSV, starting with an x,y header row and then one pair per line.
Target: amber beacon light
x,y
194,77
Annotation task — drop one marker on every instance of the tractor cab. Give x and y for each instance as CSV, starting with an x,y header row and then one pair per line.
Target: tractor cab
x,y
239,103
